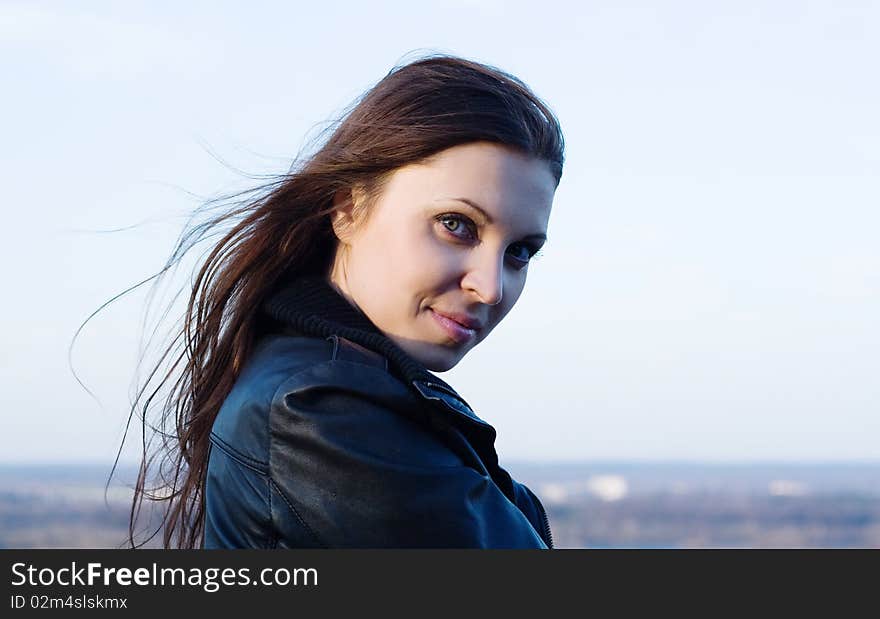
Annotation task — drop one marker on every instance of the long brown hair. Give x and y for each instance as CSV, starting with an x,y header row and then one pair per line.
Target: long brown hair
x,y
282,229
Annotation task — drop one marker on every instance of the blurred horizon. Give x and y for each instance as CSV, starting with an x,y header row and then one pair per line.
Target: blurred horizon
x,y
590,505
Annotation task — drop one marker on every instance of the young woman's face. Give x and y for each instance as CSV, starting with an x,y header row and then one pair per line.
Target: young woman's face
x,y
443,254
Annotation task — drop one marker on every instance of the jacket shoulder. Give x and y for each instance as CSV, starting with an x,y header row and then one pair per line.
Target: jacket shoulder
x,y
238,485
288,362
347,469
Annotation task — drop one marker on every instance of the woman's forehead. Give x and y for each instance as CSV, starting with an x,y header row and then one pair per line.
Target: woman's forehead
x,y
492,176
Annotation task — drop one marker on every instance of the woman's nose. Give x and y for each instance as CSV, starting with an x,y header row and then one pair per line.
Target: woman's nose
x,y
485,277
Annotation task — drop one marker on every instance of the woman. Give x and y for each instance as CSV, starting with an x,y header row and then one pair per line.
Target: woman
x,y
306,411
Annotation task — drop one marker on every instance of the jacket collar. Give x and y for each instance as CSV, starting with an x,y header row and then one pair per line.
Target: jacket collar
x,y
310,305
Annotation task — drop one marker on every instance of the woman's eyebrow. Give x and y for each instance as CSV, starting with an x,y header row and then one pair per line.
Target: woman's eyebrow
x,y
487,219
473,205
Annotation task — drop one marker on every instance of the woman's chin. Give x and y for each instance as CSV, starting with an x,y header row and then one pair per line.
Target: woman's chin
x,y
436,357
441,367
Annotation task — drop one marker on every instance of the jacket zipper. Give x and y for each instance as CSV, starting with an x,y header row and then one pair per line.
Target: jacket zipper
x,y
546,526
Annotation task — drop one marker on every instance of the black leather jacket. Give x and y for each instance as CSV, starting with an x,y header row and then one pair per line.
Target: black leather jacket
x,y
333,437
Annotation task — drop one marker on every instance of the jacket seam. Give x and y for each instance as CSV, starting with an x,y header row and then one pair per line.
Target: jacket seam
x,y
326,363
237,458
339,342
246,461
295,512
276,534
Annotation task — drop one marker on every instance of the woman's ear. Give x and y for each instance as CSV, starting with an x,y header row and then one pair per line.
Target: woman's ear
x,y
342,217
347,204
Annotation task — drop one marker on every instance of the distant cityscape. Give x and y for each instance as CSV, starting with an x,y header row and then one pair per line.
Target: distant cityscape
x,y
590,505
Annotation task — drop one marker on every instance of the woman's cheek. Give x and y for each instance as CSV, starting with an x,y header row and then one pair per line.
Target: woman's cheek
x,y
514,282
450,261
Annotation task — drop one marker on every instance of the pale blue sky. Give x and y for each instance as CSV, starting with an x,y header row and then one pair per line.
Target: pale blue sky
x,y
711,285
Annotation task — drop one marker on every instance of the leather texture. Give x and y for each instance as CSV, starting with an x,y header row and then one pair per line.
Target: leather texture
x,y
320,445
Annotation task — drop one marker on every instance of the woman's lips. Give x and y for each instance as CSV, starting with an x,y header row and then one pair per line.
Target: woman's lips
x,y
455,330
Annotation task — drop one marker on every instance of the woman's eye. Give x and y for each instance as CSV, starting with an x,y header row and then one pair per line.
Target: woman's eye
x,y
458,225
520,253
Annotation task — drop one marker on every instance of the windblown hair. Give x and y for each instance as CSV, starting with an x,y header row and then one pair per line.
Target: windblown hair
x,y
283,230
